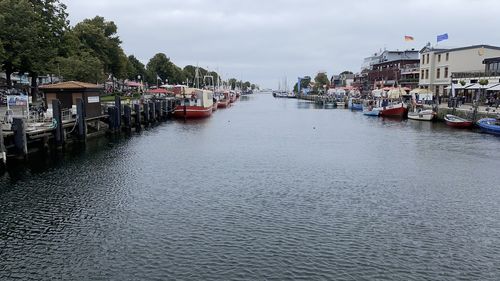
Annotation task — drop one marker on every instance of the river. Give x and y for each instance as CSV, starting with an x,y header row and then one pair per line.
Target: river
x,y
269,189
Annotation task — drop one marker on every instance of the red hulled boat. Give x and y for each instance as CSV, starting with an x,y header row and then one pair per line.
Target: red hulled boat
x,y
194,103
457,122
394,110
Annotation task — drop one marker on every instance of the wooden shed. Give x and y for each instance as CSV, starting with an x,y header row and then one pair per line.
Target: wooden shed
x,y
68,92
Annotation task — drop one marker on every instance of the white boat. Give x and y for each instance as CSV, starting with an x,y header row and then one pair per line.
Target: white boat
x,y
422,115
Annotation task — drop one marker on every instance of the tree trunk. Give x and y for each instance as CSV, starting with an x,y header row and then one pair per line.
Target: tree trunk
x,y
34,86
8,73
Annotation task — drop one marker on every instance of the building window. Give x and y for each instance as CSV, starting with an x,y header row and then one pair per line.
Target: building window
x,y
427,74
438,73
439,58
422,75
423,59
428,61
446,72
447,56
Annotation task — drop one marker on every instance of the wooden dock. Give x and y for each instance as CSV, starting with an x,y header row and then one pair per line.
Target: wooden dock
x,y
26,136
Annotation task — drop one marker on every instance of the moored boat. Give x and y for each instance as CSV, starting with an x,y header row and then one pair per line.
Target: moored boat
x,y
371,112
489,125
457,122
224,100
194,103
355,104
394,110
422,115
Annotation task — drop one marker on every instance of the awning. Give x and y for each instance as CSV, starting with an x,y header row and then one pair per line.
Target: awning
x,y
494,88
395,93
420,91
477,86
159,91
459,86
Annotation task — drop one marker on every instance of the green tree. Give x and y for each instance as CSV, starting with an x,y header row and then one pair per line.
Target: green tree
x,y
82,66
161,66
16,36
99,37
233,83
320,81
135,68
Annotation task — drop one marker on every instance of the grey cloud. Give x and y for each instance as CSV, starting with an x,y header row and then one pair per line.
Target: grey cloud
x,y
262,41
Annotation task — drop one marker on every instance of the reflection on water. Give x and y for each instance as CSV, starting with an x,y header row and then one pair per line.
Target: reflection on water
x,y
267,189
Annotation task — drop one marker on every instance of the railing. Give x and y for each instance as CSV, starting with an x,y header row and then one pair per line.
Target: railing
x,y
475,74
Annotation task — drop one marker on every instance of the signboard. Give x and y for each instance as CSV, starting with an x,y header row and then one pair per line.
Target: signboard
x,y
93,99
17,100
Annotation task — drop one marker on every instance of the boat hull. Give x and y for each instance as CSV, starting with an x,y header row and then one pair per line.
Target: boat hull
x,y
489,125
398,110
457,122
356,106
192,111
373,112
425,115
223,104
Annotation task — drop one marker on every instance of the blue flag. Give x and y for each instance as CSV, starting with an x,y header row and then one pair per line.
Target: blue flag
x,y
442,37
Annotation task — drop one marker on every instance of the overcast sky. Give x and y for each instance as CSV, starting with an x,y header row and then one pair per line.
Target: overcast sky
x,y
265,40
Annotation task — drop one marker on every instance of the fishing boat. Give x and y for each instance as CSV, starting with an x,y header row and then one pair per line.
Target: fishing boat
x,y
422,115
232,97
194,103
457,122
224,100
489,125
394,110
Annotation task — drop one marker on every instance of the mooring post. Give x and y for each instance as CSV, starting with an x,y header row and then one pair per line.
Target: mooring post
x,y
20,140
118,105
82,123
57,116
127,116
164,110
3,154
112,112
145,109
137,110
152,111
158,110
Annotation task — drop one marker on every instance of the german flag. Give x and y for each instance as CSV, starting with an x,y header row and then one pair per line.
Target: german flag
x,y
409,38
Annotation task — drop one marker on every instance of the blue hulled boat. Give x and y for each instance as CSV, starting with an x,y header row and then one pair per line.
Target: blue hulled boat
x,y
490,125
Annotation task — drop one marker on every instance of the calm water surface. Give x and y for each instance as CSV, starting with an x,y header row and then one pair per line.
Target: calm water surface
x,y
266,190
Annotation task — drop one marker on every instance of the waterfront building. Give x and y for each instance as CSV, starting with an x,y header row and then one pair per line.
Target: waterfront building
x,y
438,65
395,68
342,80
68,92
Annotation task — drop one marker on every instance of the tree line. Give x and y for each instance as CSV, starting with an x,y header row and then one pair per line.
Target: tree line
x,y
36,38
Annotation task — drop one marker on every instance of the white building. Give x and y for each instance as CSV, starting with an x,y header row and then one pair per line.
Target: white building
x,y
437,65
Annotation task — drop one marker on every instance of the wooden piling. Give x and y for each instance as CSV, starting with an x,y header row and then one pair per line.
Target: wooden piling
x,y
164,110
81,119
20,139
3,153
137,110
152,111
57,121
118,105
145,108
127,117
158,110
